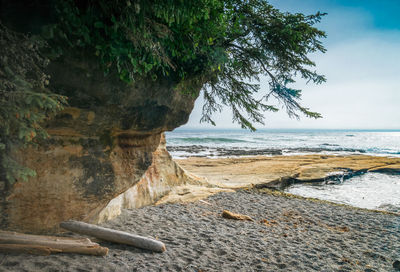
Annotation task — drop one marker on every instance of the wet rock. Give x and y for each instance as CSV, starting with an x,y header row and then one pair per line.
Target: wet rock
x,y
193,150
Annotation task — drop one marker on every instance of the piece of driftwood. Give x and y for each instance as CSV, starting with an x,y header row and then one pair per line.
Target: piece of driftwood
x,y
236,216
39,244
29,249
115,236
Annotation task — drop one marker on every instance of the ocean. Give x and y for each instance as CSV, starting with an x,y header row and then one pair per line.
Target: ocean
x,y
371,191
213,143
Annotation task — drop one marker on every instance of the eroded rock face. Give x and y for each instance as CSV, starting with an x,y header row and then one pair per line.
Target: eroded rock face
x,y
101,146
105,104
162,177
75,179
78,180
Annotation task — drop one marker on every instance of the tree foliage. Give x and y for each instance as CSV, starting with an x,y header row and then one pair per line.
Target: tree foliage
x,y
222,45
25,101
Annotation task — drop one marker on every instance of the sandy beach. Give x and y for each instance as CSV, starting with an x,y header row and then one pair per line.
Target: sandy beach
x,y
287,234
199,136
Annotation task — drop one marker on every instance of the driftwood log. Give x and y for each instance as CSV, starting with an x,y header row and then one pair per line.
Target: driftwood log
x,y
29,249
45,245
115,236
236,216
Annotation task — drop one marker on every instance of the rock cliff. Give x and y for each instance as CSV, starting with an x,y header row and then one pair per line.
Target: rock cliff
x,y
105,143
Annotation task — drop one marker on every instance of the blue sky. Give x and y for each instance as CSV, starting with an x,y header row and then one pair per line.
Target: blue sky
x,y
384,14
362,66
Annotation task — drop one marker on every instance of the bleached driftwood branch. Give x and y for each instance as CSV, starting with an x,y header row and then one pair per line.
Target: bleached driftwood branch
x,y
112,235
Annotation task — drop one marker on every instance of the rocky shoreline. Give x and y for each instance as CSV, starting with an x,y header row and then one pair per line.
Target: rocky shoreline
x,y
280,171
207,151
286,234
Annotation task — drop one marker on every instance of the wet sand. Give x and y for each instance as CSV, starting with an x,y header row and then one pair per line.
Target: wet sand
x,y
287,234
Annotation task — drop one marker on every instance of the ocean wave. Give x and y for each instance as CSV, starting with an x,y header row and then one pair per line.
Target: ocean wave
x,y
335,142
211,140
326,144
383,151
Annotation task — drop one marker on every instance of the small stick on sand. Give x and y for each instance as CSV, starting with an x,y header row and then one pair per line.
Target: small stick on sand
x,y
115,236
236,216
205,202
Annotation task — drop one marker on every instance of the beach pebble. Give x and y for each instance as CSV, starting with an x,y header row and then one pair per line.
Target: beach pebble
x,y
396,264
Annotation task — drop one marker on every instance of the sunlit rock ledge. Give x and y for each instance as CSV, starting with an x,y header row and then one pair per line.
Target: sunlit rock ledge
x,y
274,172
279,171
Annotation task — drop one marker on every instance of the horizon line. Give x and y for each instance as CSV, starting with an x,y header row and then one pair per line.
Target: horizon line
x,y
286,128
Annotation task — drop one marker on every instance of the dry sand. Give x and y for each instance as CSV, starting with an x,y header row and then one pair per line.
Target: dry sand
x,y
287,234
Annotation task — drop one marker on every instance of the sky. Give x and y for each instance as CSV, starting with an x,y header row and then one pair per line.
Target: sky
x,y
362,67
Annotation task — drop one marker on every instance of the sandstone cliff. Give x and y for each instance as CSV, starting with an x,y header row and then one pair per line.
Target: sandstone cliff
x,y
103,144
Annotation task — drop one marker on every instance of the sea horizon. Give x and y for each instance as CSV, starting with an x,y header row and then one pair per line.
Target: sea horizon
x,y
202,142
287,129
